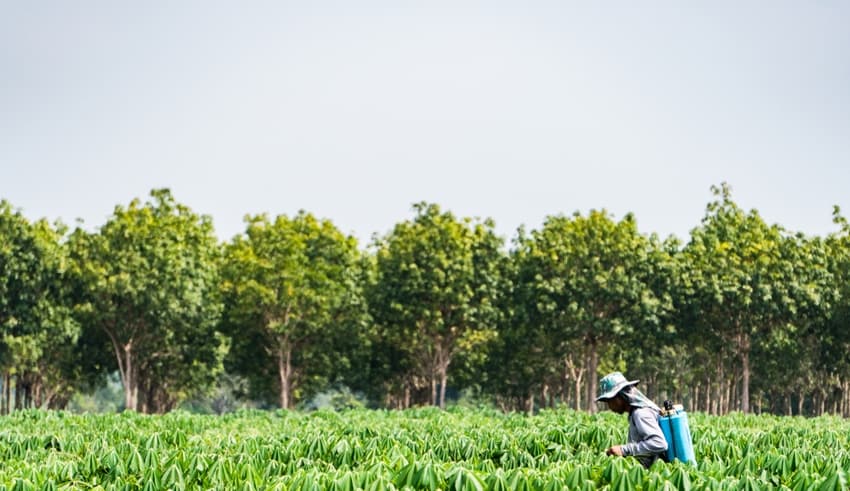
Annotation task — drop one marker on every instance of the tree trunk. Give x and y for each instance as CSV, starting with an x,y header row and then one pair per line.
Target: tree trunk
x,y
443,379
17,393
727,399
8,393
131,384
544,394
704,395
579,389
845,397
592,365
126,370
709,395
721,378
442,362
7,379
284,372
576,373
800,402
37,395
744,347
695,402
734,391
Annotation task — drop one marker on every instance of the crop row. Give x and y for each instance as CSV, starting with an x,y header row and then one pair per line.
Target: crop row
x,y
416,449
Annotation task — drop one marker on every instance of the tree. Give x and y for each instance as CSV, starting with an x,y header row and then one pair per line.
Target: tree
x,y
382,366
747,279
437,284
523,361
35,316
149,281
293,302
589,279
832,331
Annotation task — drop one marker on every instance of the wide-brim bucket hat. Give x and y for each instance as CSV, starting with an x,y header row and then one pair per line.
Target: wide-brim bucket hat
x,y
612,384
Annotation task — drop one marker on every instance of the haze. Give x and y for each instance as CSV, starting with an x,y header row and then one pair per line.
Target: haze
x,y
356,110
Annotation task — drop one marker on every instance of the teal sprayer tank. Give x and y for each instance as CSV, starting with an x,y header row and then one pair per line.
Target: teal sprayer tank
x,y
674,424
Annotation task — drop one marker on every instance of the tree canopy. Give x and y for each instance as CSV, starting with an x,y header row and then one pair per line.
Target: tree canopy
x,y
742,315
292,301
438,281
151,295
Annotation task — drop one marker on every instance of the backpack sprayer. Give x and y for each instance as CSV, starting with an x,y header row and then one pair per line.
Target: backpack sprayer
x,y
674,424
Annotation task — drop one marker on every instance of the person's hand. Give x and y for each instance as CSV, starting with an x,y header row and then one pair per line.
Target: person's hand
x,y
615,450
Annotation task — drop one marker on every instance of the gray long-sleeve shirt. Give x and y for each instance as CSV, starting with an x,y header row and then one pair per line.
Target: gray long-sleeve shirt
x,y
646,441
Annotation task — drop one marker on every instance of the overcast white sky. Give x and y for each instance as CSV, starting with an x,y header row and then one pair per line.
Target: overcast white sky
x,y
355,110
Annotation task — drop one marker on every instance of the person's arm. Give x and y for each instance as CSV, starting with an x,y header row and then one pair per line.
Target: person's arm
x,y
652,439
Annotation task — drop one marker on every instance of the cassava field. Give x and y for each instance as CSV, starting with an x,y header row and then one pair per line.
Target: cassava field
x,y
416,449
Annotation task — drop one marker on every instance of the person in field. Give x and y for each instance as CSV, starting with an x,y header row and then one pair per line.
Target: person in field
x,y
646,441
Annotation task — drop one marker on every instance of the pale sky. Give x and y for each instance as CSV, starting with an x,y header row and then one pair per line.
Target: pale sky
x,y
356,110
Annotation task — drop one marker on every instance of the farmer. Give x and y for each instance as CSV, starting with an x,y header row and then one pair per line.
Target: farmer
x,y
646,441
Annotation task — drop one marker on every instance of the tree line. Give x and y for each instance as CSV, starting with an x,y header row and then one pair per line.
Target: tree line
x,y
743,316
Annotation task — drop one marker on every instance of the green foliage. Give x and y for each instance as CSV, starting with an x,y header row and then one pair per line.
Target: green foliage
x,y
833,330
148,283
415,449
37,331
293,304
746,315
585,284
749,281
435,295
